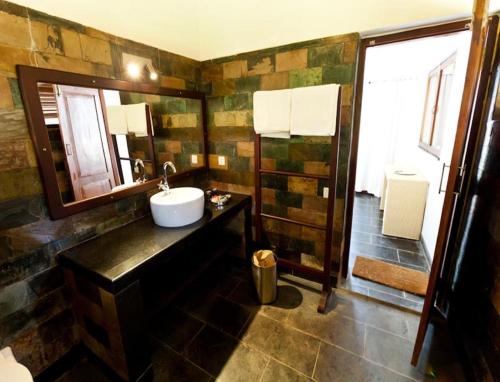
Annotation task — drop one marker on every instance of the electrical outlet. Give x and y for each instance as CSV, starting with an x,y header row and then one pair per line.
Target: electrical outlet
x,y
221,160
325,192
194,159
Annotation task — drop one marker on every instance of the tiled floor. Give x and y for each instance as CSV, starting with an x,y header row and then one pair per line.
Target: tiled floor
x,y
216,330
367,240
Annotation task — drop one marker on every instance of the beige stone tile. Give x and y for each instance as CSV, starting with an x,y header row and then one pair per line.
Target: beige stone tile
x,y
245,149
13,125
95,50
294,59
275,81
301,185
18,34
268,196
10,57
350,51
19,182
6,101
173,146
314,203
213,162
71,43
13,155
211,72
54,61
173,82
318,168
307,216
46,37
186,120
263,66
233,118
234,69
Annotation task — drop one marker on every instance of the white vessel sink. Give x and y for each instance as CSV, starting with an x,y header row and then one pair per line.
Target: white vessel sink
x,y
181,206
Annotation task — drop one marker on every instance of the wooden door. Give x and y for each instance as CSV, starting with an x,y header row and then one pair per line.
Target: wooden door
x,y
85,141
455,179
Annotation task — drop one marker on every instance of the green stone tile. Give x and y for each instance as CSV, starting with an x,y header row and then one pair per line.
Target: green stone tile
x,y
16,94
305,77
274,210
289,165
182,162
338,74
240,101
215,104
223,148
247,84
289,199
191,148
310,152
277,182
303,246
274,150
171,105
325,55
193,105
239,163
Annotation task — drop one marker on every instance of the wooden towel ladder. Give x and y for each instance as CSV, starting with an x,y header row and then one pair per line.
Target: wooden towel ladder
x,y
323,276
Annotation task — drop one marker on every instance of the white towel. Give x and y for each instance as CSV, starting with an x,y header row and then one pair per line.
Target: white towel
x,y
117,120
271,113
314,110
136,119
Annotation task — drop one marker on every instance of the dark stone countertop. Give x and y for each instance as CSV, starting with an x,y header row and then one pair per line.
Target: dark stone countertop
x,y
118,257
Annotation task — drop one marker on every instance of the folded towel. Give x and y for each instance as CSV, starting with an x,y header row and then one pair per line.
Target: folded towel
x,y
136,119
314,110
271,113
117,120
11,370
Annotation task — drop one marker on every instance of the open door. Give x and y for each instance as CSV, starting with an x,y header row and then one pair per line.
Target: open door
x,y
482,45
85,141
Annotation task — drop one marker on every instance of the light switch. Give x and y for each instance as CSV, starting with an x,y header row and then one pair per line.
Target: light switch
x,y
325,192
194,159
221,160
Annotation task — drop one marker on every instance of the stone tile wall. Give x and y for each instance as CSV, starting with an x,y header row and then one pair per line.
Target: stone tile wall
x,y
230,83
35,313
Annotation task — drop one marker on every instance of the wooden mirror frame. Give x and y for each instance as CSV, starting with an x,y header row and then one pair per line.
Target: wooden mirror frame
x,y
29,77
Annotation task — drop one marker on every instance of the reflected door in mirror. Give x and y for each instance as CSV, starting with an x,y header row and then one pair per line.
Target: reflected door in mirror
x,y
92,170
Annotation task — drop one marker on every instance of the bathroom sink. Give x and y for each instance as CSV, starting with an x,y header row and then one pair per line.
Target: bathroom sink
x,y
181,206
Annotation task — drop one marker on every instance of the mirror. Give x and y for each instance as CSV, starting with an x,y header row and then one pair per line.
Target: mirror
x,y
108,139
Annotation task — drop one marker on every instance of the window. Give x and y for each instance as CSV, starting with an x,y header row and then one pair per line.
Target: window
x,y
436,104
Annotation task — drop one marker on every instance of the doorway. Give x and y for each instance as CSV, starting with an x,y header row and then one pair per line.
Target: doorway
x,y
410,102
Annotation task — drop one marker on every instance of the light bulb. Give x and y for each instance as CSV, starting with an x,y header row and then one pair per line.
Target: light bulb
x,y
153,76
133,70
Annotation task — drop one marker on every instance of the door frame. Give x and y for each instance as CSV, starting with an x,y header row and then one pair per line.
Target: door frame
x,y
427,31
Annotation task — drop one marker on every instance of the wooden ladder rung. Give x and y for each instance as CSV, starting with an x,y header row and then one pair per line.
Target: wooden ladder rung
x,y
293,221
292,173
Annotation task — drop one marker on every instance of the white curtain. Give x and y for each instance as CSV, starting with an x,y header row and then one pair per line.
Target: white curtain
x,y
389,131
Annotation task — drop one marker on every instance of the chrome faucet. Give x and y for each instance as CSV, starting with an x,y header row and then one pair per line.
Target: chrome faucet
x,y
139,169
164,183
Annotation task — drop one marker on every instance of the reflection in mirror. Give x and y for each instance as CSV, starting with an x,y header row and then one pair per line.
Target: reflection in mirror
x,y
177,126
104,140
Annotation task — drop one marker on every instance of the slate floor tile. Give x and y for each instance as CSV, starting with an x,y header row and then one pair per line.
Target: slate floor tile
x,y
397,243
169,366
413,258
372,250
396,300
276,371
335,364
175,328
221,313
391,351
282,342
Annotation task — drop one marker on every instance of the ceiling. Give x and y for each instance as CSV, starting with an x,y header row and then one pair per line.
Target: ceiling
x,y
206,29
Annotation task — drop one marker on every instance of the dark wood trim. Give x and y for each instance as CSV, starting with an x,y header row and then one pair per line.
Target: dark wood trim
x,y
491,60
425,31
297,174
429,31
258,188
28,80
478,39
292,221
151,145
